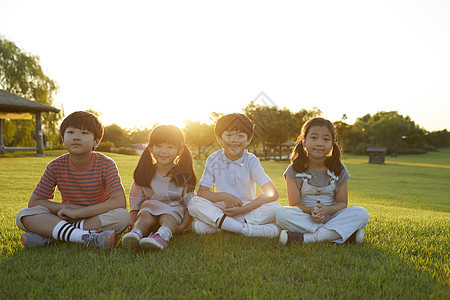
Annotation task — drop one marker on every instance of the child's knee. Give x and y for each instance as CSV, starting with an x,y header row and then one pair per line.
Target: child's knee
x,y
194,205
361,213
282,214
364,215
117,219
30,211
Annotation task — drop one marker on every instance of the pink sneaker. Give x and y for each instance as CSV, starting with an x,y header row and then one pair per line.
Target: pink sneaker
x,y
153,242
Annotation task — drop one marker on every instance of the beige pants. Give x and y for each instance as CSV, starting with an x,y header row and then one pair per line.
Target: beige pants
x,y
116,219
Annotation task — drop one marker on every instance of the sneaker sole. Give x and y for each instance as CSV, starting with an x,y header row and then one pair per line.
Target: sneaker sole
x,y
130,242
112,240
24,240
36,243
150,245
283,237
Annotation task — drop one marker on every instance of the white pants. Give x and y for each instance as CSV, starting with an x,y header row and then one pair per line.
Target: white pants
x,y
345,222
209,212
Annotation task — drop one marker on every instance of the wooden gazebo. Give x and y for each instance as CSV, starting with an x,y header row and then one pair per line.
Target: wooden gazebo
x,y
16,107
376,155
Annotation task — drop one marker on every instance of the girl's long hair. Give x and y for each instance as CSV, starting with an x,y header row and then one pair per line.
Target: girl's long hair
x,y
182,173
299,157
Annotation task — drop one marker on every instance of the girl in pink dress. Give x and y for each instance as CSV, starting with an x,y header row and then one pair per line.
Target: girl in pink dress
x,y
164,183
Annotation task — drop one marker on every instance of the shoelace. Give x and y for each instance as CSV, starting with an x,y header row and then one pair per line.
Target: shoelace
x,y
91,238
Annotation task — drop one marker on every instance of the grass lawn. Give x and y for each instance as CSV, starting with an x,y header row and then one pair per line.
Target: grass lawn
x,y
405,254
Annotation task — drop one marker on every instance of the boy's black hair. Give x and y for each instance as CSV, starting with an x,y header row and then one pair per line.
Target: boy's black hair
x,y
234,122
299,157
82,120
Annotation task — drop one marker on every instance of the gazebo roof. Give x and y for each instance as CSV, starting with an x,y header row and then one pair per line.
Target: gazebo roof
x,y
12,103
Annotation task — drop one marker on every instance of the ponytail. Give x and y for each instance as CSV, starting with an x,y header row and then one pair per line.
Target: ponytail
x,y
145,169
299,158
183,173
333,162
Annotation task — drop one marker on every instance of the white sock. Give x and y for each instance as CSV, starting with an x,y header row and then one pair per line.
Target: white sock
x,y
321,235
66,232
229,224
138,232
165,233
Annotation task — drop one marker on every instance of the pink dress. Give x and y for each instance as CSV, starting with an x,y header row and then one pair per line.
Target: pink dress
x,y
164,197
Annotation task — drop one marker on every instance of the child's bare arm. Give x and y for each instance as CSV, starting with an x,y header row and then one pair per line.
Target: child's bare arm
x,y
133,217
270,194
53,206
341,202
229,199
294,195
116,200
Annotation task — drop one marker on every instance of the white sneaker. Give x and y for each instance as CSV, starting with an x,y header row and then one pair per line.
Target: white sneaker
x,y
357,237
267,230
200,227
131,240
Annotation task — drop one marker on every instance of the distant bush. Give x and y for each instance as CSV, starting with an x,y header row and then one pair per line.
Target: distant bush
x,y
126,151
106,147
404,150
430,148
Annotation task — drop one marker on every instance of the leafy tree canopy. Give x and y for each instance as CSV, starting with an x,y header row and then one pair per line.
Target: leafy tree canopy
x,y
21,73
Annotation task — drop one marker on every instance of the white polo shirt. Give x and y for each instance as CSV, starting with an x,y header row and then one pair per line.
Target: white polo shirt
x,y
238,177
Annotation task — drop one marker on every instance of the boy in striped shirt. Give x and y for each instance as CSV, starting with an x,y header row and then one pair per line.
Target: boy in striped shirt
x,y
93,203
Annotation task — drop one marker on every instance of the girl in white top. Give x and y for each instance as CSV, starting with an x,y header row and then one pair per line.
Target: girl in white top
x,y
317,191
164,183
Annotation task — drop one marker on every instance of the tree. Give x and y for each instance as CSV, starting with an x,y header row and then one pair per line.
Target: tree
x,y
22,74
273,126
140,135
383,129
439,139
115,134
304,115
199,135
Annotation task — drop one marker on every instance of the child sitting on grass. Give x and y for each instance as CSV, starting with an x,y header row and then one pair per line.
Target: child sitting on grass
x,y
164,182
317,191
93,203
235,172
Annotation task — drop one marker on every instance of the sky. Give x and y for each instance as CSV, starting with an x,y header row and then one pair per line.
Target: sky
x,y
145,62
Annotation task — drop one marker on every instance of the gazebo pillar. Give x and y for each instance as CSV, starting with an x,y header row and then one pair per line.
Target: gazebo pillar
x,y
1,137
39,139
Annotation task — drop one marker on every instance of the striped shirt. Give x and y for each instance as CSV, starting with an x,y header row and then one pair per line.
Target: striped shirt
x,y
90,185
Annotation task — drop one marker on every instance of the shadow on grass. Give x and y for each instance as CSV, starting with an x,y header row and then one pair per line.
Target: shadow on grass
x,y
215,266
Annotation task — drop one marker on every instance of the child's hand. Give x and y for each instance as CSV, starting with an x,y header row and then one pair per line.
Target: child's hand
x,y
231,201
234,211
133,217
69,213
316,214
323,210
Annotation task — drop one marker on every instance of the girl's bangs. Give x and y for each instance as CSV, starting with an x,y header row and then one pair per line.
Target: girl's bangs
x,y
167,134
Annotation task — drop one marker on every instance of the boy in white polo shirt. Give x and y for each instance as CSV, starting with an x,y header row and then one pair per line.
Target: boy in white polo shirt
x,y
235,172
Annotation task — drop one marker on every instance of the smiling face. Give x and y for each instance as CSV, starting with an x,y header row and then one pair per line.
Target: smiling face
x,y
79,141
234,143
164,153
318,142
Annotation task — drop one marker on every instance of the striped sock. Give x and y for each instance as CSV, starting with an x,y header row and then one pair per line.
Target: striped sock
x,y
229,224
66,232
79,224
